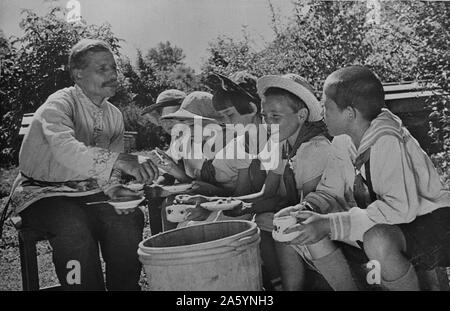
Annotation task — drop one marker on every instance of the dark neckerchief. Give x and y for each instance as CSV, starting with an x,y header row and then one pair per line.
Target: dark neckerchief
x,y
362,187
306,133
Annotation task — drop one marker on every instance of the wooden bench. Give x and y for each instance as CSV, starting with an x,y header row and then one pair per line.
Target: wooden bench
x,y
409,102
28,238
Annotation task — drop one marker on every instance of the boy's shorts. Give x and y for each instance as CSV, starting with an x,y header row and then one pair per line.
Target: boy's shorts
x,y
427,241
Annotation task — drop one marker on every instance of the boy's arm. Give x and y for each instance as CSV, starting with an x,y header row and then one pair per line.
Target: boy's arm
x,y
329,195
395,184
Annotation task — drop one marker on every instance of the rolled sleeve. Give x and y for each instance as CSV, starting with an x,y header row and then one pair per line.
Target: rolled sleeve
x,y
310,161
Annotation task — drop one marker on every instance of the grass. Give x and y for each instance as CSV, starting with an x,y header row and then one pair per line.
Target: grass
x,y
7,176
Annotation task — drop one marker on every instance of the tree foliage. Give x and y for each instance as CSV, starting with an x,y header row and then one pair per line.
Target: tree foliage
x,y
432,28
164,56
160,69
410,43
317,41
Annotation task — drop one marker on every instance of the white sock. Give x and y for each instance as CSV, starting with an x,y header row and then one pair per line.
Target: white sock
x,y
407,282
336,270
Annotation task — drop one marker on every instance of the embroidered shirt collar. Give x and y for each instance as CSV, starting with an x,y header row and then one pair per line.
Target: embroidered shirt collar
x,y
85,99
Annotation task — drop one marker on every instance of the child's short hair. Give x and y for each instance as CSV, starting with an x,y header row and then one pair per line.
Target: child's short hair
x,y
358,87
296,103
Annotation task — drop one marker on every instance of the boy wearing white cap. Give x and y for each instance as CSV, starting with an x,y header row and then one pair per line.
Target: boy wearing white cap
x,y
289,101
167,102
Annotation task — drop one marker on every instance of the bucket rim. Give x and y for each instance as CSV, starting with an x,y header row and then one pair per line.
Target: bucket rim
x,y
203,245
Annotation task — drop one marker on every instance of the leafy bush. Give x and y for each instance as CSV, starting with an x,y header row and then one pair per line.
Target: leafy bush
x,y
433,28
149,136
330,35
7,177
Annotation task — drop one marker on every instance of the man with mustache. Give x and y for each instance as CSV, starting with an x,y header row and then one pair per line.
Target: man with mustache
x,y
72,155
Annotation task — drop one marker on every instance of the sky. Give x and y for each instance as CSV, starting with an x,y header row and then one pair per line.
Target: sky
x,y
188,24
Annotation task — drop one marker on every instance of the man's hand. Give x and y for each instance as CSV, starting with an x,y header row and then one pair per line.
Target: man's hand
x,y
129,164
313,228
120,192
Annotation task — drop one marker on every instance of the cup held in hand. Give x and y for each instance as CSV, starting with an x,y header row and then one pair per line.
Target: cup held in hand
x,y
282,223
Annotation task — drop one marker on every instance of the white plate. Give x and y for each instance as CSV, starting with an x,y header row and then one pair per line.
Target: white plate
x,y
177,188
126,204
221,205
135,187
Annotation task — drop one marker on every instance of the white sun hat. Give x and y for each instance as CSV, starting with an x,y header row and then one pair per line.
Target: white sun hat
x,y
296,85
197,105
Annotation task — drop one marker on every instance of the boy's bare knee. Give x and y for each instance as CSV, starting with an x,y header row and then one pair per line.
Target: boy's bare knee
x,y
381,241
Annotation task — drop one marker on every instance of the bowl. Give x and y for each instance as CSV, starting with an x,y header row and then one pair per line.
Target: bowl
x,y
135,187
125,202
221,205
282,223
177,188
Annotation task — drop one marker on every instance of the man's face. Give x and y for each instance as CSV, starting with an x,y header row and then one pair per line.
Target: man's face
x,y
335,118
99,78
276,110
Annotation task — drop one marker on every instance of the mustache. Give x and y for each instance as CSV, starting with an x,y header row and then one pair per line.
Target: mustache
x,y
110,83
